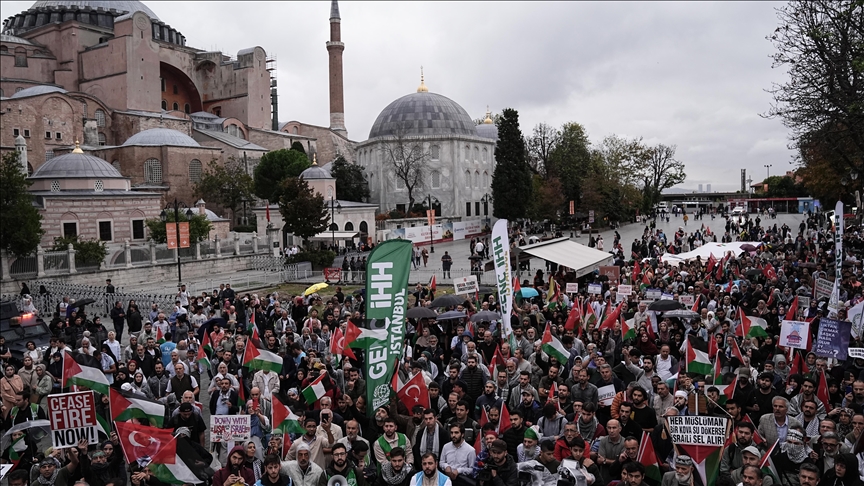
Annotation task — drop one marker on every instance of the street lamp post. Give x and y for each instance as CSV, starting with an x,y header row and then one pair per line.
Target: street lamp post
x,y
768,170
335,207
432,201
487,198
164,217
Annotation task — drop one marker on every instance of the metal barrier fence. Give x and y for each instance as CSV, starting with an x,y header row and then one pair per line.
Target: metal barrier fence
x,y
47,303
56,262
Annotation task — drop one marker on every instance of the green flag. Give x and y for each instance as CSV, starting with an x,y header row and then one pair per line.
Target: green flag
x,y
386,300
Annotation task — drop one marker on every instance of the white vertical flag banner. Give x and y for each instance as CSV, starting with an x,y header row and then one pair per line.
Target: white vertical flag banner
x,y
501,256
834,301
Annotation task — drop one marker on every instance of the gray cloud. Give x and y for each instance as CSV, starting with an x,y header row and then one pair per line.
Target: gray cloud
x,y
688,74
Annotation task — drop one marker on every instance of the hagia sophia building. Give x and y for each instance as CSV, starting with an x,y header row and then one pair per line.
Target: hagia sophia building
x,y
115,115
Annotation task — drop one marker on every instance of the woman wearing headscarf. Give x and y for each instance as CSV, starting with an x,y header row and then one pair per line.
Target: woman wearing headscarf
x,y
139,385
44,384
133,317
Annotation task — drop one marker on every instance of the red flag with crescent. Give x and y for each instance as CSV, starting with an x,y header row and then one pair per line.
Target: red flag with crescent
x,y
142,440
414,392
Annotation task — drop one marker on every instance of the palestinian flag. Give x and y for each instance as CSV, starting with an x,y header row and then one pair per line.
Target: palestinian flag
x,y
433,284
125,406
553,347
203,354
207,345
696,357
648,458
337,345
672,383
104,424
516,285
590,316
646,282
706,458
14,455
139,441
711,262
695,307
160,338
612,317
628,329
261,359
358,337
735,351
757,439
83,375
315,390
767,464
250,328
751,326
284,420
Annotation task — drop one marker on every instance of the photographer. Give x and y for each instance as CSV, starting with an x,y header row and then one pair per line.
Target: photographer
x,y
235,471
501,469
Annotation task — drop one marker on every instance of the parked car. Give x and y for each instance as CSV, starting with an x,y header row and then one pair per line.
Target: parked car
x,y
18,328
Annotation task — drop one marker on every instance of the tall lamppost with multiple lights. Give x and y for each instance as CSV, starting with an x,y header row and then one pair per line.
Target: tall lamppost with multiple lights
x,y
335,207
486,199
768,170
176,206
432,202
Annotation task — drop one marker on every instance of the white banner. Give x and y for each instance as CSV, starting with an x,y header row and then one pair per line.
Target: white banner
x,y
823,288
418,234
596,289
466,285
501,256
794,334
856,353
686,300
465,229
605,395
855,315
572,287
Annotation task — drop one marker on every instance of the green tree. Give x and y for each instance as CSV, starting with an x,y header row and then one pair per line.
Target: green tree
x,y
86,251
275,167
351,182
569,161
783,186
511,181
302,209
226,185
820,44
298,146
20,222
199,226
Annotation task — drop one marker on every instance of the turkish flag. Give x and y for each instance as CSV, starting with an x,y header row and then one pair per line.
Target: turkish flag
x,y
414,392
145,441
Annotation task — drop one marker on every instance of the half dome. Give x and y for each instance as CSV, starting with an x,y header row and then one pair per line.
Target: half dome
x,y
423,114
161,136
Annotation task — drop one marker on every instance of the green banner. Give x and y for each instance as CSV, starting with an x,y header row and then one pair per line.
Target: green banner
x,y
387,271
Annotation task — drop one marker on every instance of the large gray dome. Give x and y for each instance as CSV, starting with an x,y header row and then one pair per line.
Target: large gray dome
x,y
161,136
125,6
76,166
423,113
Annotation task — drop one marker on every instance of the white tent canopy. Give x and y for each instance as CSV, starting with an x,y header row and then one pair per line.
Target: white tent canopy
x,y
562,251
337,235
705,251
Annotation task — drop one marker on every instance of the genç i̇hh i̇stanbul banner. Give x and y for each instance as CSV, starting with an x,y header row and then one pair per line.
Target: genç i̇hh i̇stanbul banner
x,y
386,303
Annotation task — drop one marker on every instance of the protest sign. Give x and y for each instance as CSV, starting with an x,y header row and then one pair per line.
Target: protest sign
x,y
803,302
823,288
611,271
595,289
702,438
227,428
466,285
653,294
572,288
665,296
794,334
832,341
686,300
856,353
625,289
73,417
605,395
856,317
4,469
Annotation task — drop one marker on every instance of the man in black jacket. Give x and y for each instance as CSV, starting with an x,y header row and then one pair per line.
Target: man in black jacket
x,y
515,434
503,469
226,401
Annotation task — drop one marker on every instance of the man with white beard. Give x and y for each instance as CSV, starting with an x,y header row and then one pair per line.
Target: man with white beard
x,y
684,473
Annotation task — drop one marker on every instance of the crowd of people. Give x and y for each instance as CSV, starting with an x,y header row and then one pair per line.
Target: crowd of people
x,y
502,411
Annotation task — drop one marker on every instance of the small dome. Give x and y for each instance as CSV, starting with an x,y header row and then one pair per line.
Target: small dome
x,y
315,172
76,166
125,6
423,113
486,130
37,90
14,39
161,136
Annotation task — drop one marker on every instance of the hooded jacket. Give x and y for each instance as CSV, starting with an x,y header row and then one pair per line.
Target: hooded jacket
x,y
852,476
243,471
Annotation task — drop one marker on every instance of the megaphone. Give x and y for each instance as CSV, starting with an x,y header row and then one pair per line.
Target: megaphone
x,y
337,480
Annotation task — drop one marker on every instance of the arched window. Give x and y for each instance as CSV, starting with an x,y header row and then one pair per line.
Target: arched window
x,y
101,139
364,227
476,154
100,118
29,169
187,109
232,130
294,130
349,226
400,184
485,179
152,171
467,178
164,105
436,152
436,179
485,155
467,152
476,179
333,227
195,170
175,106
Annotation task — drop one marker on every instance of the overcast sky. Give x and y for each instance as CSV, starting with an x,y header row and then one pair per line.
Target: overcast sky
x,y
685,74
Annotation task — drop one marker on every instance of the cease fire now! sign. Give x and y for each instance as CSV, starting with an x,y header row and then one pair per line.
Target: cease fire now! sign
x,y
73,418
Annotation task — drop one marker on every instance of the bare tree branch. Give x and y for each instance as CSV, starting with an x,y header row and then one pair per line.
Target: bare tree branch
x,y
408,157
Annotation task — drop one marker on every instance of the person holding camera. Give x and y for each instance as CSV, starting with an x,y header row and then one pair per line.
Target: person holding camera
x,y
342,465
500,470
235,471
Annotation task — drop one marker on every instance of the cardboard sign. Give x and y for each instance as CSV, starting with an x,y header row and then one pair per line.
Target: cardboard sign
x,y
697,430
625,290
466,285
687,300
572,288
665,296
823,289
856,353
832,341
653,294
73,417
794,334
596,289
611,271
227,428
605,395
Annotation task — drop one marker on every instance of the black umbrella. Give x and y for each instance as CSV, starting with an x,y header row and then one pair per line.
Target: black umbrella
x,y
748,247
681,313
208,325
447,300
665,305
485,316
451,315
421,313
753,272
81,303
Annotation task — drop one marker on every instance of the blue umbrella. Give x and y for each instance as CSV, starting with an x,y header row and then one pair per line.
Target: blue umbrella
x,y
528,292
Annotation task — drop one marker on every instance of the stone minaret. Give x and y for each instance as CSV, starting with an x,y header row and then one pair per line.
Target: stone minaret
x,y
21,148
334,49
